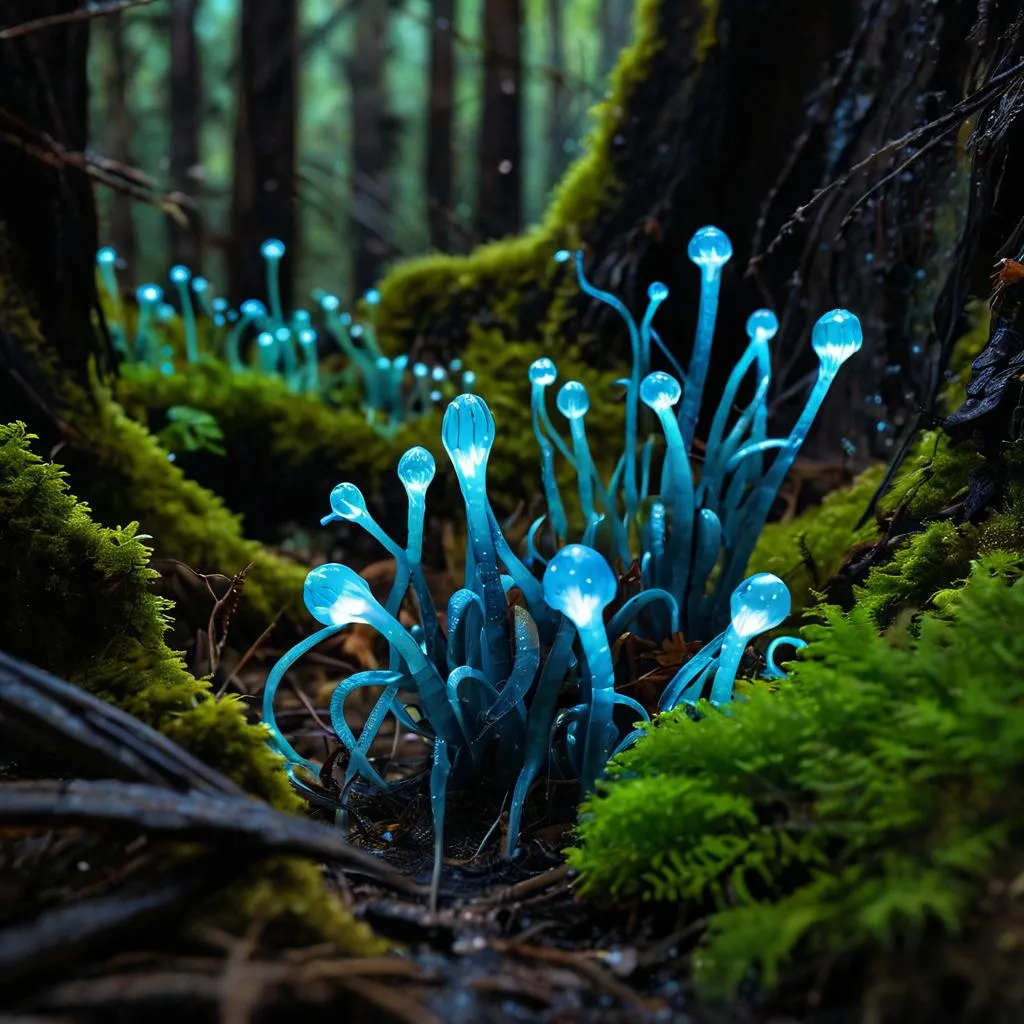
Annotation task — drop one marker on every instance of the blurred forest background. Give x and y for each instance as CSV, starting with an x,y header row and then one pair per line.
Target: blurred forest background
x,y
394,126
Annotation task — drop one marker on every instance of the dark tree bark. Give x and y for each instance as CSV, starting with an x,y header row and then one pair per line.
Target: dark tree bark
x,y
743,121
558,94
119,135
440,116
499,160
371,128
264,200
47,218
186,114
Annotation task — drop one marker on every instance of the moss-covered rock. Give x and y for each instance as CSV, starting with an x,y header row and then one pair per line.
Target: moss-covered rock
x,y
78,602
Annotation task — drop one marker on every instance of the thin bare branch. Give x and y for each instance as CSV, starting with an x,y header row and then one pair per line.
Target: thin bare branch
x,y
95,10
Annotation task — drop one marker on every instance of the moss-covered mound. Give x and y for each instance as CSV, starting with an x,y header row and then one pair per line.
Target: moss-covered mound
x,y
869,802
78,602
311,446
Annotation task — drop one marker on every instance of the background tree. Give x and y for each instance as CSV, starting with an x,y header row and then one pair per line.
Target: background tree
x,y
499,158
186,115
265,184
440,122
119,130
370,145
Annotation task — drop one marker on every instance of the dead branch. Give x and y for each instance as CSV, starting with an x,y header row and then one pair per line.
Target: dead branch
x,y
94,10
98,734
188,817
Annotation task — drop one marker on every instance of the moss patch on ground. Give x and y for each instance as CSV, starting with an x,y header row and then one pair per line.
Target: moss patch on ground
x,y
864,805
79,604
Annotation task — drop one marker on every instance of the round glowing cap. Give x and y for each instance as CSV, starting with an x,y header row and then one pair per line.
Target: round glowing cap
x,y
563,256
836,336
467,432
347,502
762,325
253,309
272,249
660,391
710,248
543,372
416,470
579,583
107,255
180,274
573,400
336,595
657,291
149,293
758,604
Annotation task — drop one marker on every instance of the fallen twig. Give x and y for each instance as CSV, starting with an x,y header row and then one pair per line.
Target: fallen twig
x,y
94,10
98,732
185,816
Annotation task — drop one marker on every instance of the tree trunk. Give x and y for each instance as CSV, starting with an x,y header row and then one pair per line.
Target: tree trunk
x,y
47,218
499,197
186,115
264,200
709,131
119,135
371,186
440,116
558,95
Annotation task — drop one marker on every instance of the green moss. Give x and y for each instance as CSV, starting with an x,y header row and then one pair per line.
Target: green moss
x,y
708,34
137,482
811,548
79,603
867,800
437,287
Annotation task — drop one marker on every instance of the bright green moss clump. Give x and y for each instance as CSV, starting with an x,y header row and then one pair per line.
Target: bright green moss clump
x,y
869,799
806,552
78,603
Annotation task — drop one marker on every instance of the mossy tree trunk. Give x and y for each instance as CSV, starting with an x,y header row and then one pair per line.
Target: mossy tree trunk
x,y
724,112
47,217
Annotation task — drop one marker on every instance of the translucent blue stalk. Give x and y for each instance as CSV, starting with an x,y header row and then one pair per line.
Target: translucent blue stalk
x,y
358,761
201,290
439,772
180,278
632,500
573,403
468,381
348,503
657,293
416,470
369,332
270,688
538,725
148,297
524,669
710,249
420,397
266,346
758,604
337,596
772,669
106,261
286,347
761,328
272,251
252,312
467,433
835,338
707,549
579,584
311,364
661,392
